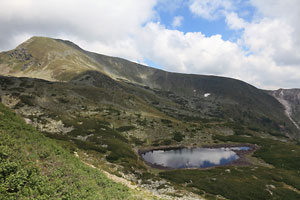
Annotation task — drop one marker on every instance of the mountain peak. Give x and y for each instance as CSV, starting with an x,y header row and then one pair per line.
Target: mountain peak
x,y
61,60
46,58
40,40
43,44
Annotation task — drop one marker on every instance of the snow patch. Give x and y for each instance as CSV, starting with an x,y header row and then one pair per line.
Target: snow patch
x,y
206,95
287,106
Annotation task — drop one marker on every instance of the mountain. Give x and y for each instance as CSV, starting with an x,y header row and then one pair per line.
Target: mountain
x,y
228,100
107,110
290,98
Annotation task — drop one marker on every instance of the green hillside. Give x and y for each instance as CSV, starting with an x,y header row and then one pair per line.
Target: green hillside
x,y
229,100
108,110
35,167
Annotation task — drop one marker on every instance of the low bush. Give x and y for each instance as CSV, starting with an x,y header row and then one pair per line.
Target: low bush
x,y
26,99
125,128
33,166
177,136
166,121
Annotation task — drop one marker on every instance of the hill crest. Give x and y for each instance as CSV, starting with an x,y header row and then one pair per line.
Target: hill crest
x,y
230,99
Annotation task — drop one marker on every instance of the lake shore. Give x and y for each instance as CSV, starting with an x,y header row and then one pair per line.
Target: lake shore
x,y
241,161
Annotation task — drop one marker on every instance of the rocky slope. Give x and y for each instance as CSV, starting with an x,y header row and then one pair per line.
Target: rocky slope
x,y
35,167
228,100
290,98
105,109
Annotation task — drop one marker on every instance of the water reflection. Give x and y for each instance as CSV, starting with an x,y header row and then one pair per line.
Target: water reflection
x,y
192,158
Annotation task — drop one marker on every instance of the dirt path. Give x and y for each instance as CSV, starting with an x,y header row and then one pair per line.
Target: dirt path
x,y
114,177
142,193
127,183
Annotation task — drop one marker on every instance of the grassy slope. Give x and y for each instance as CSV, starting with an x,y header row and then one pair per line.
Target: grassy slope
x,y
35,167
251,105
46,58
230,99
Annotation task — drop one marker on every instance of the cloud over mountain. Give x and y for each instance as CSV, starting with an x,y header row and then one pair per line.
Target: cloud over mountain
x,y
266,51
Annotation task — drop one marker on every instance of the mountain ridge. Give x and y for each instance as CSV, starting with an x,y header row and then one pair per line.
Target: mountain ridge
x,y
62,60
105,110
97,57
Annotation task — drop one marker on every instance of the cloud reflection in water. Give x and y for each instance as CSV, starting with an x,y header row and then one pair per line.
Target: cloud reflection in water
x,y
190,158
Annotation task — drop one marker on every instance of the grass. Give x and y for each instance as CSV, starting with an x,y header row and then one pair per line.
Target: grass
x,y
118,148
125,128
35,167
240,183
253,182
279,154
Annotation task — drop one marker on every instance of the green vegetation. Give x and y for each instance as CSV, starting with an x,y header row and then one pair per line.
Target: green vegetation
x,y
137,141
35,167
167,142
63,100
282,181
125,128
86,145
279,154
93,113
26,99
99,134
166,121
239,183
177,136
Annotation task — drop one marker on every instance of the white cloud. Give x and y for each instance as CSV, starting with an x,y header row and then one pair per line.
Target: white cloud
x,y
277,33
234,22
93,20
272,39
210,9
177,21
190,52
267,54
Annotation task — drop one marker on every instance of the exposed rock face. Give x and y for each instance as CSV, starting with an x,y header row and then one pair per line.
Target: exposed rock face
x,y
290,99
20,54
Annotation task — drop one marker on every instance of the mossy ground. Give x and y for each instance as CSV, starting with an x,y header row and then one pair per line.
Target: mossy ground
x,y
35,167
111,124
281,181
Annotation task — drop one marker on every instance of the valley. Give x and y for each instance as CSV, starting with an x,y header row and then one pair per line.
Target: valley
x,y
102,110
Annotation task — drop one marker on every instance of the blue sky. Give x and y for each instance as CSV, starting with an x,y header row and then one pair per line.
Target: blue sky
x,y
168,11
251,40
193,23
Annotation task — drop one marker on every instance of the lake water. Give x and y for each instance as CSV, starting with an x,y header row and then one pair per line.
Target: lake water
x,y
193,157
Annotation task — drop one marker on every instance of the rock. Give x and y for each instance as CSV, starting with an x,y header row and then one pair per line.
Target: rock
x,y
28,121
76,154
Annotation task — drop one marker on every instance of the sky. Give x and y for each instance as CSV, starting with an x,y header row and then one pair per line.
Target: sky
x,y
252,40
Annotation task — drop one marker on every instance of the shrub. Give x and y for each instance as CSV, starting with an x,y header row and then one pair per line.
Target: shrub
x,y
63,100
166,121
112,157
125,128
167,142
137,141
35,167
178,137
26,99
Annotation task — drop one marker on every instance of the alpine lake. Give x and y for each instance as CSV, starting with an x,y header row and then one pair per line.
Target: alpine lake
x,y
196,157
